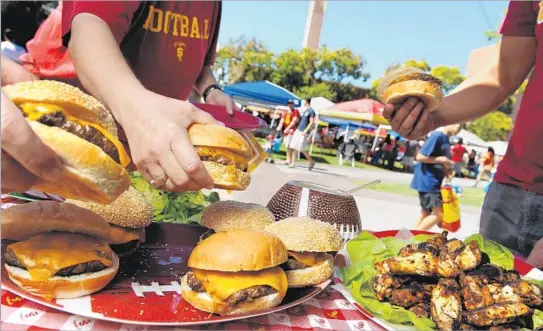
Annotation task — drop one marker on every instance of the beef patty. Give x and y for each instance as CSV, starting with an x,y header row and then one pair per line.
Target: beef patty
x,y
293,264
78,269
247,294
88,133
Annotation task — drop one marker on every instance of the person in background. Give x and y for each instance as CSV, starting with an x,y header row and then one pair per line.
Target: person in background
x,y
347,152
519,178
472,163
287,125
457,155
268,147
433,165
302,136
394,154
25,158
386,155
486,165
408,160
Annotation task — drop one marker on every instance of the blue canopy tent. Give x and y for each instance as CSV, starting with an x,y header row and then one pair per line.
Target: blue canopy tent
x,y
342,123
262,92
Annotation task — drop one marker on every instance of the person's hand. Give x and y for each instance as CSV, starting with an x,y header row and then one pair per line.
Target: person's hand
x,y
410,119
25,158
160,146
13,72
219,98
536,256
447,164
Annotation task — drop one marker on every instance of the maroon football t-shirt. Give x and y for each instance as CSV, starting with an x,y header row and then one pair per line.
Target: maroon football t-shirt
x,y
166,43
522,164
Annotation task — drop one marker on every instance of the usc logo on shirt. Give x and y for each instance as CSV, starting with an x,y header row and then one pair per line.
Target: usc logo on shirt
x,y
176,24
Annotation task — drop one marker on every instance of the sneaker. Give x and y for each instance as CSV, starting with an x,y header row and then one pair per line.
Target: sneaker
x,y
311,165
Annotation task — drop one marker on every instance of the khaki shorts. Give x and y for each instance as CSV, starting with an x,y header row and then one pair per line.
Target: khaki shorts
x,y
298,141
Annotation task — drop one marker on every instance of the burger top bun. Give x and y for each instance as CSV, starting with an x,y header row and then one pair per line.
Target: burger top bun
x,y
230,215
89,173
303,234
402,83
24,221
78,103
238,250
130,209
210,135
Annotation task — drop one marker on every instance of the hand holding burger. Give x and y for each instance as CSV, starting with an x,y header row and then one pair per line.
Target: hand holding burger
x,y
411,98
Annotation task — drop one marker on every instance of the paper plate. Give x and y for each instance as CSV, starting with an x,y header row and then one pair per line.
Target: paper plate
x,y
240,120
146,290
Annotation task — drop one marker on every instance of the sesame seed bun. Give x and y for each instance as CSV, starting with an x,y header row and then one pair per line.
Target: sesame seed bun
x,y
303,234
400,84
230,215
238,250
130,210
89,173
24,221
227,177
311,276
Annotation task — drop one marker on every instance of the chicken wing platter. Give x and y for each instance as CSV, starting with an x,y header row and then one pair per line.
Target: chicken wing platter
x,y
433,282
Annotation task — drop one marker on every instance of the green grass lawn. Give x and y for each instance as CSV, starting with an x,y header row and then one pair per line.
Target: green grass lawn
x,y
470,196
322,155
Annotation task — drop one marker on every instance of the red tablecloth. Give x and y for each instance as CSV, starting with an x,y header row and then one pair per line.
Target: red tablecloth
x,y
327,311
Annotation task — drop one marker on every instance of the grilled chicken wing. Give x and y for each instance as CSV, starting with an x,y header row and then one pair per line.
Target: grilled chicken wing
x,y
420,309
419,263
497,314
517,291
469,257
446,305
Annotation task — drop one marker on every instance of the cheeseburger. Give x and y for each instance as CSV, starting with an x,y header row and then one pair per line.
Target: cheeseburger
x,y
230,215
400,84
225,155
128,216
61,250
82,132
308,243
236,272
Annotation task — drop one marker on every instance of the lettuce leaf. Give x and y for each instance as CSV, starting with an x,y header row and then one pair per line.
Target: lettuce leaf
x,y
538,319
171,207
498,254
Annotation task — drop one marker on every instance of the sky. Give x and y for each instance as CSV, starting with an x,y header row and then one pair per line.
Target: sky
x,y
383,32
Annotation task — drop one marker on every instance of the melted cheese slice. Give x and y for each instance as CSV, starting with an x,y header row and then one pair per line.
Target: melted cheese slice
x,y
222,285
45,254
36,110
309,259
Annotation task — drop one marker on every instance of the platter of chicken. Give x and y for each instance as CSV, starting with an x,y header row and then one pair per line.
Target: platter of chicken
x,y
436,282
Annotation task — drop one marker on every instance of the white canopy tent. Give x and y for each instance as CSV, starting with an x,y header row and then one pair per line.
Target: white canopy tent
x,y
471,139
319,103
500,147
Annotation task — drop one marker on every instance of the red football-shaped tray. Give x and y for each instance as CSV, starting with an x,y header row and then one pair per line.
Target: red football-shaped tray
x,y
146,290
240,120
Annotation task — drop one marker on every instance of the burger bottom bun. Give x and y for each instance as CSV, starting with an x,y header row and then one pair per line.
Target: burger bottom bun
x,y
311,276
204,302
428,92
227,177
64,287
89,173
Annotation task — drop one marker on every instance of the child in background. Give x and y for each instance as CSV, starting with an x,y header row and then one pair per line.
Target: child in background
x,y
269,147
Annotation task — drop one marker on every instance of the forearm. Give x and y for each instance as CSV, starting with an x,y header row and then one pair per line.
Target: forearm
x,y
485,91
101,67
205,79
309,127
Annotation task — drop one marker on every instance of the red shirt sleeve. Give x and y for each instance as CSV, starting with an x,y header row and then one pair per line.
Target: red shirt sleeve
x,y
211,53
520,20
117,14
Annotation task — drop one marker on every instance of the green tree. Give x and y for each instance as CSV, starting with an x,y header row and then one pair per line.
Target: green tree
x,y
245,60
295,69
320,89
423,65
492,126
449,76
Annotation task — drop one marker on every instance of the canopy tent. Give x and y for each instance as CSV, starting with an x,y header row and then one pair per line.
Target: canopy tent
x,y
320,103
263,92
346,123
500,147
471,139
358,110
